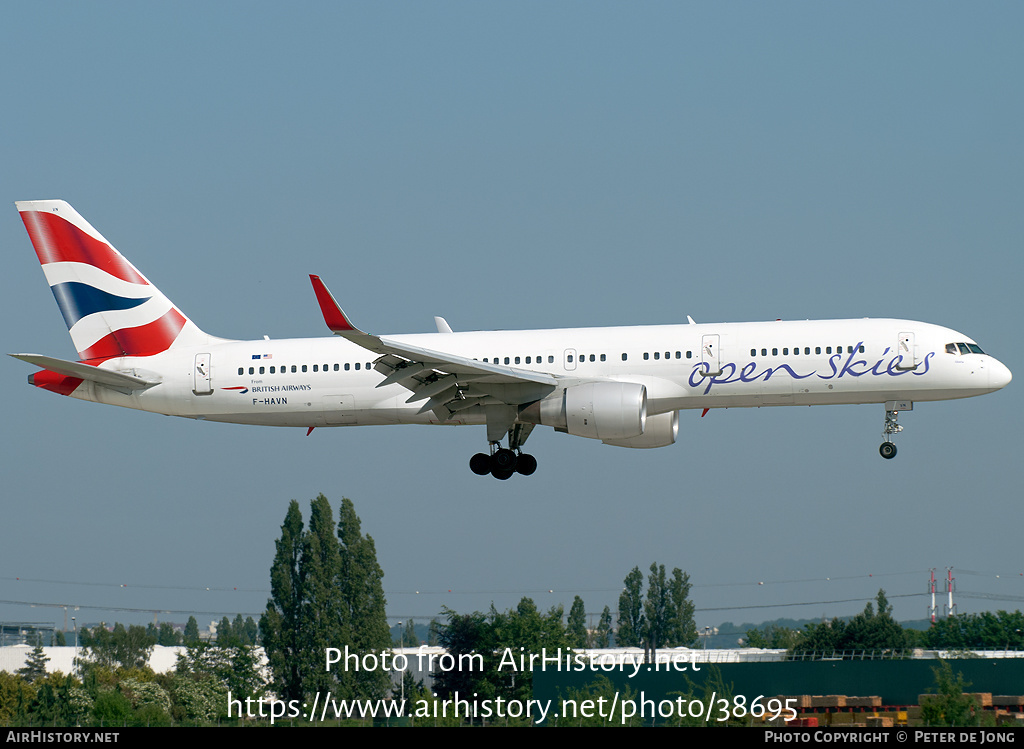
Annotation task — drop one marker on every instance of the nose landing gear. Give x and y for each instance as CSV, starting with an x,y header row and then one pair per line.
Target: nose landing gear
x,y
888,448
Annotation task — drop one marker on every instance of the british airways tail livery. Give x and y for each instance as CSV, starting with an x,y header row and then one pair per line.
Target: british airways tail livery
x,y
624,386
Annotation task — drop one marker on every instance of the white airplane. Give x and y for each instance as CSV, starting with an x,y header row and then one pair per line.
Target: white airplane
x,y
624,386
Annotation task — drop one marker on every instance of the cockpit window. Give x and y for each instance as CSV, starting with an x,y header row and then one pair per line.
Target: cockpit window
x,y
963,348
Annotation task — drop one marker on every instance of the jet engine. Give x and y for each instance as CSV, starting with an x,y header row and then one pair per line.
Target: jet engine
x,y
661,431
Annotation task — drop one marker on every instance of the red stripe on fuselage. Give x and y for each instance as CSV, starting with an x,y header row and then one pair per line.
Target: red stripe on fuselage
x,y
144,340
57,241
55,383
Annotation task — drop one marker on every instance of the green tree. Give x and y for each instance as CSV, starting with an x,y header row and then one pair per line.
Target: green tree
x,y
128,648
225,634
682,629
326,591
252,632
950,706
235,667
167,636
463,636
409,638
602,636
191,636
363,618
631,611
35,665
576,625
323,620
869,630
772,636
656,612
279,625
238,631
487,651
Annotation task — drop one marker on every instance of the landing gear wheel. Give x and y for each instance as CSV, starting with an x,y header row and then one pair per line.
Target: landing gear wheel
x,y
480,464
527,464
503,475
887,450
503,460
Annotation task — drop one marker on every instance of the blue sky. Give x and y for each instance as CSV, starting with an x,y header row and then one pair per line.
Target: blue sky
x,y
521,165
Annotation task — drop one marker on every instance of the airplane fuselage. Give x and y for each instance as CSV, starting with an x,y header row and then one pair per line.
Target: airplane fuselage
x,y
331,382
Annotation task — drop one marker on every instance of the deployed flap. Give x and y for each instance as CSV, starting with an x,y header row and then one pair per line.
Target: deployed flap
x,y
118,380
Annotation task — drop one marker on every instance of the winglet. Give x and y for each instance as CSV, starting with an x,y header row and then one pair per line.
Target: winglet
x,y
335,318
442,325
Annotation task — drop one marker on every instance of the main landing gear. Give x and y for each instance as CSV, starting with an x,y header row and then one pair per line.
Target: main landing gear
x,y
502,463
888,448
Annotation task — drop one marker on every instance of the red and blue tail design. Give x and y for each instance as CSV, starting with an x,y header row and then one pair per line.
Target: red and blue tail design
x,y
111,309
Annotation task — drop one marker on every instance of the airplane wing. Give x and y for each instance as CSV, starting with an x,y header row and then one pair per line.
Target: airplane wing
x,y
447,382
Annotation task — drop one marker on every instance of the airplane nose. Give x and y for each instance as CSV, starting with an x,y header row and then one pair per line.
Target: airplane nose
x,y
999,375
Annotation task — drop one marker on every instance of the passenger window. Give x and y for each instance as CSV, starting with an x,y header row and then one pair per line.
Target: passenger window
x,y
252,370
775,352
796,351
241,370
551,360
528,360
861,349
817,349
689,354
657,355
293,369
753,352
315,368
357,366
347,366
807,350
764,352
569,358
272,370
337,367
507,360
624,358
592,357
603,357
785,352
646,356
517,360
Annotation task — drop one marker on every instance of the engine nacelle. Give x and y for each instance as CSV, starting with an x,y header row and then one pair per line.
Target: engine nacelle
x,y
596,410
661,431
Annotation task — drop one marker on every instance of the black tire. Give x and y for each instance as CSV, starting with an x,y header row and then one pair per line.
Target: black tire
x,y
504,460
527,464
887,450
502,475
480,464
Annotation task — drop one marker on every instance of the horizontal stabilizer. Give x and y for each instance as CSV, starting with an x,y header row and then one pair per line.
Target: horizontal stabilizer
x,y
118,380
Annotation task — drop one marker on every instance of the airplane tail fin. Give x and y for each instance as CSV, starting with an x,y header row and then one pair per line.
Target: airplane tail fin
x,y
111,309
